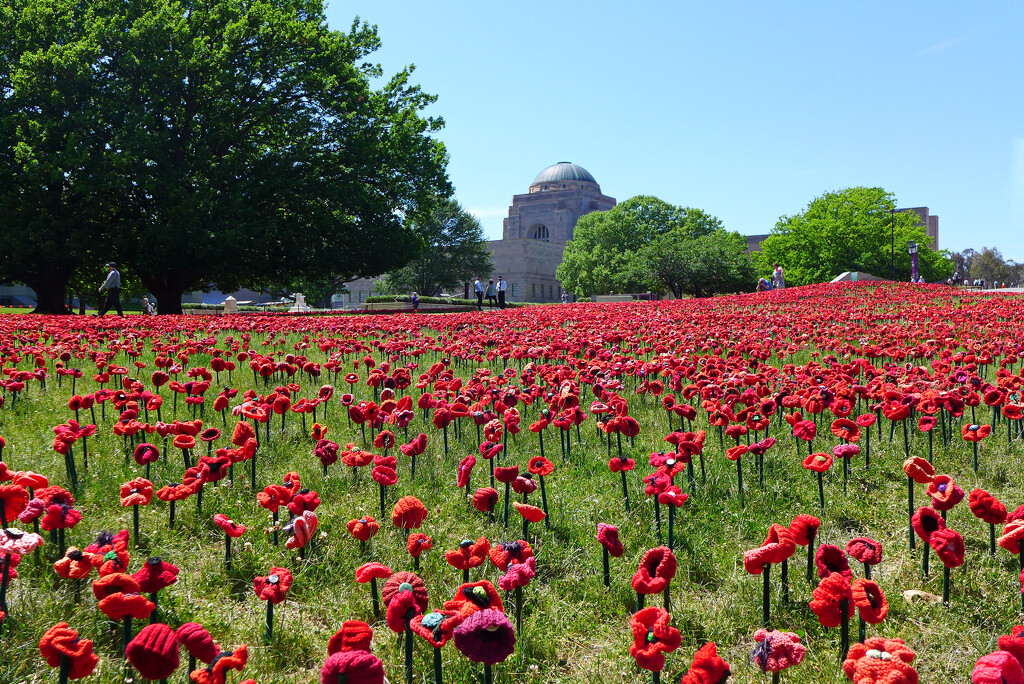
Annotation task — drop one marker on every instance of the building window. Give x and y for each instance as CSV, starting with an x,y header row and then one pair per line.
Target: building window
x,y
515,290
540,232
551,291
362,296
533,290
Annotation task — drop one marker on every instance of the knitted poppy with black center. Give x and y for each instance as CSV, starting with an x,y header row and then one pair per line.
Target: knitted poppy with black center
x,y
657,570
653,637
274,587
363,528
776,651
154,651
77,564
394,584
230,527
354,635
154,575
778,547
826,600
864,550
803,528
927,521
707,667
60,641
469,554
304,500
831,559
213,468
538,465
485,499
225,661
138,492
986,507
417,543
869,600
114,583
473,596
437,627
510,552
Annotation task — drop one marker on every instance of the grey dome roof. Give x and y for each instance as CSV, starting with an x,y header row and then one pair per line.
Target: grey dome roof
x,y
564,171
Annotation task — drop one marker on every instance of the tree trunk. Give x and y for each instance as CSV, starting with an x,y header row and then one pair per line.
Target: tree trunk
x,y
50,289
168,297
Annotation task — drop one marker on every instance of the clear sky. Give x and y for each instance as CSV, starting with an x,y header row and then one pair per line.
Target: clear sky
x,y
747,110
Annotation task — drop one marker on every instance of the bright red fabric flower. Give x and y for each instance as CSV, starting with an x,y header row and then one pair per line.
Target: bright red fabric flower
x,y
827,597
869,600
948,546
707,667
274,587
880,661
653,637
656,571
986,507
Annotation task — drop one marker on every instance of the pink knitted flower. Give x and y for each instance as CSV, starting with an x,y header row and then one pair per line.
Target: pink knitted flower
x,y
998,667
518,575
13,540
775,650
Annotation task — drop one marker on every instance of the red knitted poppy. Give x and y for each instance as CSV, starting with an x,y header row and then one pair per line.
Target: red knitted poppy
x,y
510,552
919,470
363,528
154,651
998,667
657,570
829,559
395,582
408,513
484,499
818,462
948,546
401,609
880,661
62,641
469,554
474,596
653,637
354,635
707,667
869,600
945,493
230,527
826,598
986,507
864,550
358,667
926,521
804,528
274,587
198,642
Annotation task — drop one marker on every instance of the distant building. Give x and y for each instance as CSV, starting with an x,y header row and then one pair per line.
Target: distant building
x,y
929,221
539,224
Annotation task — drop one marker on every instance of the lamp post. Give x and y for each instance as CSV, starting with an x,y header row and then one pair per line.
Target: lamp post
x,y
892,248
914,271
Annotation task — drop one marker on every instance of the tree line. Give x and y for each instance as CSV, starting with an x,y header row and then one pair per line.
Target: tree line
x,y
205,142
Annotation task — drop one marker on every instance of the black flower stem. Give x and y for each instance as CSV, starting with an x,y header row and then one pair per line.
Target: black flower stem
x,y
929,446
526,528
275,527
862,632
519,612
170,515
846,473
135,523
810,557
775,677
703,473
505,515
127,635
607,570
766,595
785,582
667,598
154,599
65,670
375,597
408,653
625,490
544,503
490,462
844,630
690,475
906,439
992,539
227,552
945,584
487,674
465,575
639,601
739,480
252,473
270,620
4,579
975,445
1022,571
656,677
924,560
657,518
910,511
382,496
867,571
671,526
437,665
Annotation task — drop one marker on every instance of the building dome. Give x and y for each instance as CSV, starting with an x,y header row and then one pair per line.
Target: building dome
x,y
564,171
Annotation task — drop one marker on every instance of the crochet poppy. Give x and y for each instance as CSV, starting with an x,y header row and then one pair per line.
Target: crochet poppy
x,y
114,583
485,499
998,667
775,549
846,451
844,428
154,651
829,559
155,575
354,635
394,584
818,462
462,476
948,546
919,470
485,637
230,527
880,661
408,513
16,542
77,564
538,465
146,453
653,637
619,464
372,570
363,528
657,570
707,667
869,601
401,609
864,550
352,667
473,596
384,475
29,480
524,484
608,536
242,433
986,507
13,499
214,468
804,528
417,543
62,641
138,492
119,606
1013,533
805,430
436,627
301,530
506,475
469,554
776,650
529,513
198,642
216,672
304,500
518,575
945,493
926,521
1014,643
274,587
975,433
503,554
827,597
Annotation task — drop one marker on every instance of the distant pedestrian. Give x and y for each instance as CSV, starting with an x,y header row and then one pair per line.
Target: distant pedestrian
x,y
762,285
778,278
501,292
147,307
415,301
565,297
113,287
478,288
492,294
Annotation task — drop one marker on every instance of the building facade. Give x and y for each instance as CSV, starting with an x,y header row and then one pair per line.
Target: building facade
x,y
539,224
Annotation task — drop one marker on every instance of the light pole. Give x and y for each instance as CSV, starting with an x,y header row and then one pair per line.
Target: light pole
x,y
914,271
892,248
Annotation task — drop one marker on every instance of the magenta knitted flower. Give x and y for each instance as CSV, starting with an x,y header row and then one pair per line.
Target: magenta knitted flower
x,y
357,666
486,637
775,650
518,574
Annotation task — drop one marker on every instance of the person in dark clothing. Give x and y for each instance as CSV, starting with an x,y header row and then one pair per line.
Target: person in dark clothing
x,y
113,287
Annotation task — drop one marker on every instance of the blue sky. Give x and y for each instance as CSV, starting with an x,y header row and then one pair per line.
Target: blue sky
x,y
745,110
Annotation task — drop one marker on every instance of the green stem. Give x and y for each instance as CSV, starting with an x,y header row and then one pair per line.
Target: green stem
x,y
910,511
766,595
607,570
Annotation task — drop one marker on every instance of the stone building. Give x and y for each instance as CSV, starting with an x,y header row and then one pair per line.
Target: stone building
x,y
539,224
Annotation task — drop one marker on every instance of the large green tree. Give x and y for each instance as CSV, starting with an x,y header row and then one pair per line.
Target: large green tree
x,y
850,230
455,252
605,253
700,266
236,142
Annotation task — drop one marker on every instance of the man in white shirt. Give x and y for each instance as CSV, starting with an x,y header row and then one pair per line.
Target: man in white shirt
x,y
113,287
501,292
478,288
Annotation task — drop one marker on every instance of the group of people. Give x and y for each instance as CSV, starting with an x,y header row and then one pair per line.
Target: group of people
x,y
495,293
776,281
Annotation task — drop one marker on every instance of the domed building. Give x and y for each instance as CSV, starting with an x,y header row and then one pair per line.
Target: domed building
x,y
539,224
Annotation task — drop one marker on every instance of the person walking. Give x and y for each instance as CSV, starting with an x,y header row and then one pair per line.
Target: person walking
x,y
113,287
478,288
778,278
492,294
501,292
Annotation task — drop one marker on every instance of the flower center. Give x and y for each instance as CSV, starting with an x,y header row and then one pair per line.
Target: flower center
x,y
273,579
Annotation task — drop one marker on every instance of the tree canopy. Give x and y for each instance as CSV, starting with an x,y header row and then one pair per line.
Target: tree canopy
x,y
222,142
605,253
455,252
850,230
701,266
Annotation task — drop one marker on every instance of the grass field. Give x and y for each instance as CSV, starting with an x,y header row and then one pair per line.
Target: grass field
x,y
575,630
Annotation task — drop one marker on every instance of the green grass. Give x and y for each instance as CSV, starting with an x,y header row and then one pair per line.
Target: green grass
x,y
575,630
